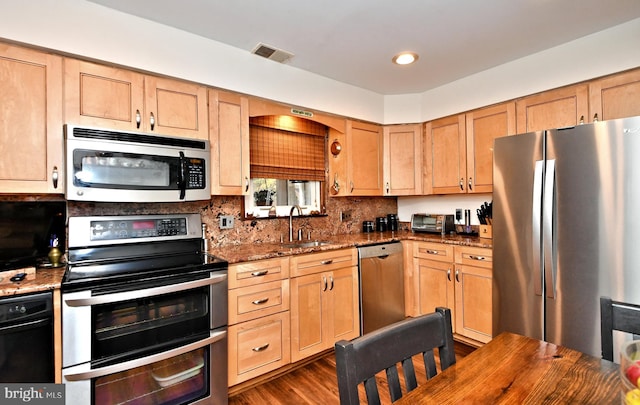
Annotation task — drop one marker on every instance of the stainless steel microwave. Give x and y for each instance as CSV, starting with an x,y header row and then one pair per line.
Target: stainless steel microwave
x,y
115,166
435,223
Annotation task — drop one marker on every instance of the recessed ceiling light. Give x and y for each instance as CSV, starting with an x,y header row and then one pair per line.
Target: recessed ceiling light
x,y
405,58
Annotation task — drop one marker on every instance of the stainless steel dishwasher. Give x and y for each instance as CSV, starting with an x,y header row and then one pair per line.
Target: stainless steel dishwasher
x,y
381,285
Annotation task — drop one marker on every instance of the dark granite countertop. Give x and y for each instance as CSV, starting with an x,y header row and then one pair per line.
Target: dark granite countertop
x,y
248,252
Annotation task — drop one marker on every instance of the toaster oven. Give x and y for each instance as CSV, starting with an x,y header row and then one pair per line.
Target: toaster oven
x,y
435,223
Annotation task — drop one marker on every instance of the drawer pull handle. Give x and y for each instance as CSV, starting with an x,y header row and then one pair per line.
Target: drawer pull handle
x,y
324,282
259,273
476,257
326,261
260,301
458,276
449,274
331,278
261,348
432,252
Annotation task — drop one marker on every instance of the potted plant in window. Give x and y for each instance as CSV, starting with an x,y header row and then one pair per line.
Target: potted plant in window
x,y
263,197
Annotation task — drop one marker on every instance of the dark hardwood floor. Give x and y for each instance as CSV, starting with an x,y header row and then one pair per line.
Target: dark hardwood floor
x,y
316,383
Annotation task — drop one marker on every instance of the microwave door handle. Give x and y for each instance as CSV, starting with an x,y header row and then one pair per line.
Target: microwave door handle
x,y
182,181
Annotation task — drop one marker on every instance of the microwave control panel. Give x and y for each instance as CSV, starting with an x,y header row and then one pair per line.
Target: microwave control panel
x,y
195,173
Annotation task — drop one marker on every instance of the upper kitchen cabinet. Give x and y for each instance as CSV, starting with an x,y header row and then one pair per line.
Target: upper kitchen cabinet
x,y
31,142
563,107
482,127
402,145
616,96
229,137
364,159
445,162
109,97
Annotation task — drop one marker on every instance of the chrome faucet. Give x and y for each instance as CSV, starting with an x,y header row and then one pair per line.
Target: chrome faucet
x,y
291,220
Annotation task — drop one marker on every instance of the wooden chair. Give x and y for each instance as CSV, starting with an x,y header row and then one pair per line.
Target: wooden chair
x,y
362,358
620,316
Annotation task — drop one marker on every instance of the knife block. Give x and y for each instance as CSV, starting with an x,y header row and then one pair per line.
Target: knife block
x,y
485,231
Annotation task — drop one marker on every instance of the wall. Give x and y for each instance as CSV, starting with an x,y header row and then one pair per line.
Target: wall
x,y
82,28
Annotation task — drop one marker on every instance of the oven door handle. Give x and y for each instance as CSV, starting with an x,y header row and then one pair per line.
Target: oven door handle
x,y
149,292
215,336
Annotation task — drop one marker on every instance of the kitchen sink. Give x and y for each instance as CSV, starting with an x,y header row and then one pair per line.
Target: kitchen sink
x,y
305,243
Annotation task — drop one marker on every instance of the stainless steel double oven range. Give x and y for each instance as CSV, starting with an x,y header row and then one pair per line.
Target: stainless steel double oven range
x,y
144,313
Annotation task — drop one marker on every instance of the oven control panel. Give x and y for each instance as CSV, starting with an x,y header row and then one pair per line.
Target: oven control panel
x,y
137,228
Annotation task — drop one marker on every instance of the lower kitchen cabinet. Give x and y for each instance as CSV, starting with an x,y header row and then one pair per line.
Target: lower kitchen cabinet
x,y
258,346
456,277
258,318
324,301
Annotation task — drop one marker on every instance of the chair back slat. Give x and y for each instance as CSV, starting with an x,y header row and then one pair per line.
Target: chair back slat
x,y
362,358
616,315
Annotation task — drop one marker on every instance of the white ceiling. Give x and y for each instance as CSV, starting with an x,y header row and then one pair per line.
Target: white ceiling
x,y
353,41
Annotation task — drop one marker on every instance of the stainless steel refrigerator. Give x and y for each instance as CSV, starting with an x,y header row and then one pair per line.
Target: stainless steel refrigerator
x,y
566,230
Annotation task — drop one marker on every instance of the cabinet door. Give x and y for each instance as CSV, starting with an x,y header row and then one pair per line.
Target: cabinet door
x,y
103,96
483,126
402,159
445,166
308,315
364,163
229,136
558,108
616,96
435,286
344,305
176,108
31,142
473,291
258,346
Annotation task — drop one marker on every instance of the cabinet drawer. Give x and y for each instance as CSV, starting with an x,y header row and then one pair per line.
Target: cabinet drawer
x,y
252,302
433,251
257,347
318,262
472,256
258,272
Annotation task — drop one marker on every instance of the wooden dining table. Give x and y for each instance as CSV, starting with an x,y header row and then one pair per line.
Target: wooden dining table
x,y
514,369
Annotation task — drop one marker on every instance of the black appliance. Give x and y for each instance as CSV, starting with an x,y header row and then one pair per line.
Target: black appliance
x,y
26,339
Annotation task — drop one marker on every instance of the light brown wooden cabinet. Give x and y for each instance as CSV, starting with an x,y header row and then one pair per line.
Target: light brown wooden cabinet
x,y
456,277
229,138
563,107
363,151
115,98
259,319
483,126
31,141
616,96
402,161
324,301
458,150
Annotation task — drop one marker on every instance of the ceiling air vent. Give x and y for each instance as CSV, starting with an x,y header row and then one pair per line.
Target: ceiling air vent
x,y
269,52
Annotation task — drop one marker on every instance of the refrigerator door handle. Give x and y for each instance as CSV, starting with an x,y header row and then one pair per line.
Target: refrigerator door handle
x,y
536,216
547,230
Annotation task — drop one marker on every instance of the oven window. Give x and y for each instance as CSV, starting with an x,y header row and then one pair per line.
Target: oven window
x,y
178,380
134,328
